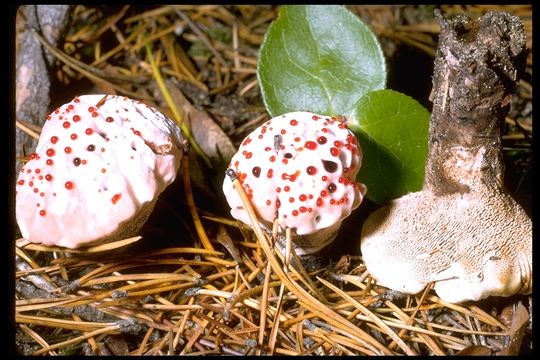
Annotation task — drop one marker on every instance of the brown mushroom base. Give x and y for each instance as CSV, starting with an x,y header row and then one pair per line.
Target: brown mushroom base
x,y
422,238
309,244
131,228
126,229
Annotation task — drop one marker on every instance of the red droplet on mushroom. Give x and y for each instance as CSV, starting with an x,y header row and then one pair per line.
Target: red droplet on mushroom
x,y
290,177
330,166
311,145
76,118
311,170
331,187
115,198
66,125
50,152
256,171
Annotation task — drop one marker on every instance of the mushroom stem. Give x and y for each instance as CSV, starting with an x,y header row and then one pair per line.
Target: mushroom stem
x,y
475,73
463,231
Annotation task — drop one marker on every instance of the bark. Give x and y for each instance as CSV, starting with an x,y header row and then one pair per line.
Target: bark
x,y
477,66
33,67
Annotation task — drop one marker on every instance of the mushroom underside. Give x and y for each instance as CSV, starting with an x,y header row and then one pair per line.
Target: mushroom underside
x,y
306,244
471,245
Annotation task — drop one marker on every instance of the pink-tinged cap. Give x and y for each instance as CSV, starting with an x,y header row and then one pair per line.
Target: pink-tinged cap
x,y
98,168
299,168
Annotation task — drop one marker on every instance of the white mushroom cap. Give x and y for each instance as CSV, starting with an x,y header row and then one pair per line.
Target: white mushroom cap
x,y
299,167
473,245
98,168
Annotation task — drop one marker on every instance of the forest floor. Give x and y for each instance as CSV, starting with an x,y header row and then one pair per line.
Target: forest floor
x,y
165,294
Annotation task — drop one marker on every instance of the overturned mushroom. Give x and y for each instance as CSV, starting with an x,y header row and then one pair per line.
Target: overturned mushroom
x,y
298,168
462,231
97,171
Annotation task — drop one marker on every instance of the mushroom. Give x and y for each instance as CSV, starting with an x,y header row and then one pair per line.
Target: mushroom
x,y
298,168
463,231
99,166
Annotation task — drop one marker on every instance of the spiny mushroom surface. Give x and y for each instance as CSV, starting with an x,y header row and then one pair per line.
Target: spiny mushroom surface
x,y
300,168
100,163
462,231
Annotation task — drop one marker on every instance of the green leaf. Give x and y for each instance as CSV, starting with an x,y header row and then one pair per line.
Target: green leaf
x,y
318,58
392,129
